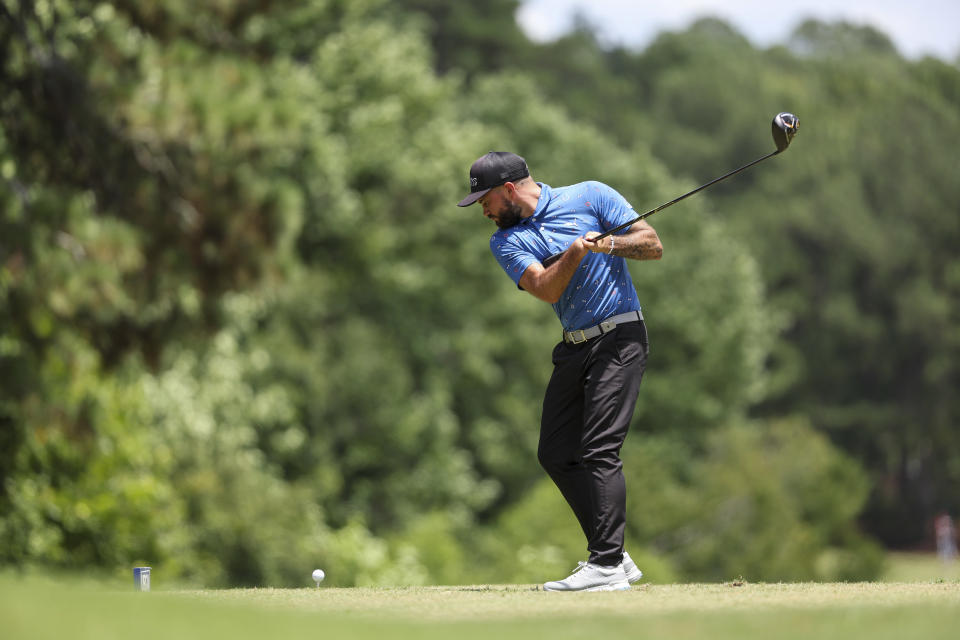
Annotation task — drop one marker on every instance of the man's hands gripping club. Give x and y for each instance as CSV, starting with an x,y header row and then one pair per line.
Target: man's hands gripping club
x,y
549,280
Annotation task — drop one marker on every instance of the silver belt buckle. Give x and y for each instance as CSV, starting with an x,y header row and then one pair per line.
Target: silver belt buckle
x,y
573,336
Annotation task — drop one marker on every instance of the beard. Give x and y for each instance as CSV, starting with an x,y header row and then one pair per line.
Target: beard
x,y
510,215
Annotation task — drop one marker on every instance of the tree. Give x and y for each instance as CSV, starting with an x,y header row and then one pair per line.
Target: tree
x,y
471,37
243,322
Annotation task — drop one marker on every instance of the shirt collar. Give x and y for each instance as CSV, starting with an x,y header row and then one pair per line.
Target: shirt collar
x,y
546,194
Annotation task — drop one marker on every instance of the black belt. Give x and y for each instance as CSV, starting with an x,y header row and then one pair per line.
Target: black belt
x,y
582,335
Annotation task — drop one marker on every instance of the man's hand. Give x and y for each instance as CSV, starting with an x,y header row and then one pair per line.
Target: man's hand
x,y
602,246
583,245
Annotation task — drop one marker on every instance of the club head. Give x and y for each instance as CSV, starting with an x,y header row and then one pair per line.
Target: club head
x,y
784,128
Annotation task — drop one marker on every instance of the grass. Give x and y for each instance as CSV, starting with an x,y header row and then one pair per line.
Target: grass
x,y
920,567
40,608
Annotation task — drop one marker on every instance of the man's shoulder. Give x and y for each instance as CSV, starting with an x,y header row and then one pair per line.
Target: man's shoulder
x,y
582,191
586,184
581,197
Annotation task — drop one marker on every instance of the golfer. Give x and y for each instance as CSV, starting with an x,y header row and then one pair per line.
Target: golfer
x,y
598,365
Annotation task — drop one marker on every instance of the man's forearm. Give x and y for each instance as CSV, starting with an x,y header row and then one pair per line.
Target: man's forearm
x,y
549,283
638,244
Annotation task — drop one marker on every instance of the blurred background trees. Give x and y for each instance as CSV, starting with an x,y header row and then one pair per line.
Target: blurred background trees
x,y
244,330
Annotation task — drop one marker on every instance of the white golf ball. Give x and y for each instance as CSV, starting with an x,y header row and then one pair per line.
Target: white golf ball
x,y
318,575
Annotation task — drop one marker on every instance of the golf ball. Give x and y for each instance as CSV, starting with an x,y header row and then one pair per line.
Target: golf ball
x,y
318,575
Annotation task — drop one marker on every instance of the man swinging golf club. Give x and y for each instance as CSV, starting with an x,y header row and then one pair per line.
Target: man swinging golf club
x,y
567,246
590,398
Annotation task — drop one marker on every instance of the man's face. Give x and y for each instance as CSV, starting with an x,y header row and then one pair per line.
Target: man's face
x,y
503,212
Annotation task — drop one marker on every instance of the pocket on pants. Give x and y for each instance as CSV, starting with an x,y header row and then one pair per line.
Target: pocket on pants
x,y
632,343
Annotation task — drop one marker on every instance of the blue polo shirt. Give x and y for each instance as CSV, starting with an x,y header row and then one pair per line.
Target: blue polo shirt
x,y
602,286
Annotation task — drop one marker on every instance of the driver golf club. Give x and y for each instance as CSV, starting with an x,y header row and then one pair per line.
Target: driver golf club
x,y
784,127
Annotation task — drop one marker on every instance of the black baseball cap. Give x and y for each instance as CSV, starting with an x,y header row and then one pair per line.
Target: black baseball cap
x,y
492,170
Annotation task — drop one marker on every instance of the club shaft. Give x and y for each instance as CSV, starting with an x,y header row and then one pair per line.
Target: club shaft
x,y
676,200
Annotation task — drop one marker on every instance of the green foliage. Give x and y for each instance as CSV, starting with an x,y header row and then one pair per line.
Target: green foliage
x,y
855,256
852,229
762,502
86,487
839,40
244,330
469,36
538,539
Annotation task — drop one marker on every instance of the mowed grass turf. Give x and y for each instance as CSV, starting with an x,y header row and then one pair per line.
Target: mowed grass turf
x,y
920,567
41,608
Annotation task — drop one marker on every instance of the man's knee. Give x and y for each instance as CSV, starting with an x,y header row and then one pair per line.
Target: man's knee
x,y
545,459
554,460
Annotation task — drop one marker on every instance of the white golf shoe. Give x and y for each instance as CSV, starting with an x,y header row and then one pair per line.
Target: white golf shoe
x,y
592,577
630,568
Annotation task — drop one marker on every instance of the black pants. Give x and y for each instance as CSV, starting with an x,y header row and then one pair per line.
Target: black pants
x,y
587,410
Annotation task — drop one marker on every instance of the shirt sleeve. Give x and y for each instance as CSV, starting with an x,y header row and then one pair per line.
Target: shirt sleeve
x,y
611,207
511,257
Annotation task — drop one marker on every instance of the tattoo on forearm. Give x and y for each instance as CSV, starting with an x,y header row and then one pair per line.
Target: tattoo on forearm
x,y
638,247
